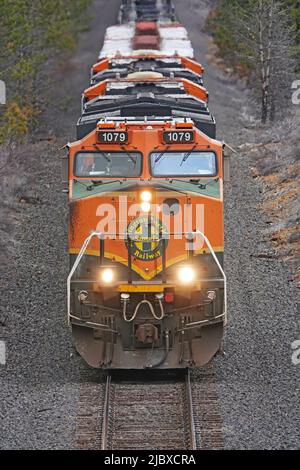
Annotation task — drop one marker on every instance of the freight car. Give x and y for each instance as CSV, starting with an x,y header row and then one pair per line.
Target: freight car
x,y
146,10
168,38
146,287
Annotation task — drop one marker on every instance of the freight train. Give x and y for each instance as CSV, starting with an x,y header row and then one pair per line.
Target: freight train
x,y
146,287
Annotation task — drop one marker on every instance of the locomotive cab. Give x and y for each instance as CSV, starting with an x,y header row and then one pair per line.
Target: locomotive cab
x,y
146,287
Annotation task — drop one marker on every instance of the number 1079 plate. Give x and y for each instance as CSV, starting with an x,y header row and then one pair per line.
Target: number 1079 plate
x,y
179,137
112,137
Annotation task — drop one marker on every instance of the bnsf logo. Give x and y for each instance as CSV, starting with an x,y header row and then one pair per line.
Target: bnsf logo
x,y
140,246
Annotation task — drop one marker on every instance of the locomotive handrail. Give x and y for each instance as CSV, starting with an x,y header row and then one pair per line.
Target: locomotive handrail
x,y
74,267
101,235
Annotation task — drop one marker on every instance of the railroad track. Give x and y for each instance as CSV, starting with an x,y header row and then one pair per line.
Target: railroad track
x,y
160,411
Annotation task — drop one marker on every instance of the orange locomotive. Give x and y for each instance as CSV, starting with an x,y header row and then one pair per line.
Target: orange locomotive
x,y
147,287
140,61
143,78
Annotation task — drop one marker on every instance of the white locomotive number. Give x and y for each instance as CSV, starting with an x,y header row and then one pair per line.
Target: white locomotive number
x,y
113,137
178,137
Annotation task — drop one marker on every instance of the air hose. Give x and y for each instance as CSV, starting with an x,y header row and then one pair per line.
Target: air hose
x,y
162,360
138,307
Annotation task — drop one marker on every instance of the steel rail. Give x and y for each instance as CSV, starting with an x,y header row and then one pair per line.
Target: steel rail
x,y
190,411
105,423
190,430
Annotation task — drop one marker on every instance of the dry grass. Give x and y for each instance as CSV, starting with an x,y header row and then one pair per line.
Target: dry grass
x,y
19,167
282,203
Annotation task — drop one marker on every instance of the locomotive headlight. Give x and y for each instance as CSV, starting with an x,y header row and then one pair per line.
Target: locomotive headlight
x,y
107,276
186,274
145,206
146,196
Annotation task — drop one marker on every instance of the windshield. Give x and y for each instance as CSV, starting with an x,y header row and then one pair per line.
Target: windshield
x,y
183,163
108,164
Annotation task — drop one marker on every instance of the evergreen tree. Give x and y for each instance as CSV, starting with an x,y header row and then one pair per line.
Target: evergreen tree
x,y
32,33
259,38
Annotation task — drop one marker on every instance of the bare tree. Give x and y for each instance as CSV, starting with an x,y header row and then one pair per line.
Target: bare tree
x,y
266,39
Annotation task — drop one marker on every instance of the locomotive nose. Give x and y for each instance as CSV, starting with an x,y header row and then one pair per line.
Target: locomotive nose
x,y
146,286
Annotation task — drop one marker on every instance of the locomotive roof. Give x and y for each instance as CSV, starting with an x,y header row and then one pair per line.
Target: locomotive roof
x,y
146,105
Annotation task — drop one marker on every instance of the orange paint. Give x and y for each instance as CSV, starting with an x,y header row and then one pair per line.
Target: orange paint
x,y
187,63
95,90
191,88
100,66
196,90
192,65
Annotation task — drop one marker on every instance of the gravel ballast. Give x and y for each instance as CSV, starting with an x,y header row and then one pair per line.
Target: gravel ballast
x,y
40,383
257,381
